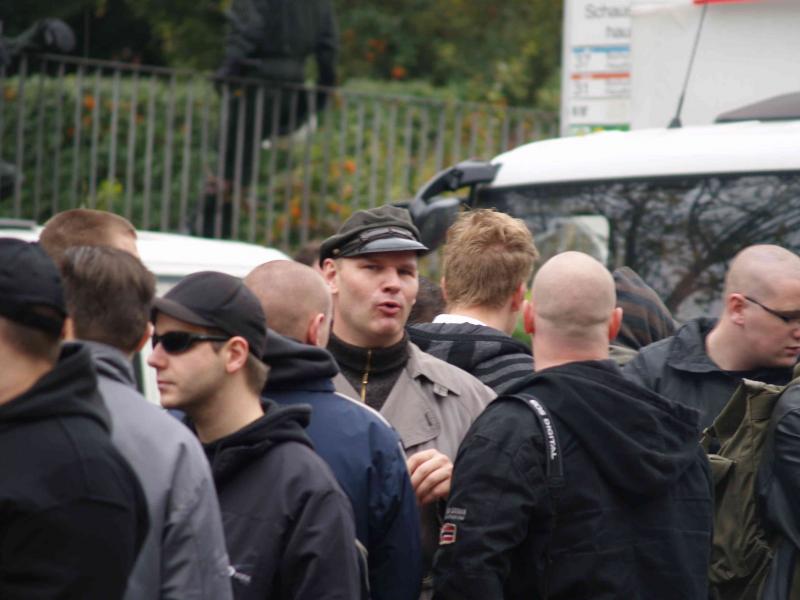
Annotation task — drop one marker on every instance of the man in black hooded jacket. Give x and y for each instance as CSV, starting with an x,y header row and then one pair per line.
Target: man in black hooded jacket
x,y
72,513
288,526
618,506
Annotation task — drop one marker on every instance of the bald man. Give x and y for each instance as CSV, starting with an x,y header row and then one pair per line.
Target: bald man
x,y
360,447
585,485
756,337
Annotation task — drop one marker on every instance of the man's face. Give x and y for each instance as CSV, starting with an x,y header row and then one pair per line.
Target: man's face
x,y
771,341
186,379
373,295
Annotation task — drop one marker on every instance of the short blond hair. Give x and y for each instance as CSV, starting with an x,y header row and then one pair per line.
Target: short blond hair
x,y
82,227
487,256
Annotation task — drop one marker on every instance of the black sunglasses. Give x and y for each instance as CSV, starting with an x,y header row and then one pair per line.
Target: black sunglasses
x,y
787,317
175,342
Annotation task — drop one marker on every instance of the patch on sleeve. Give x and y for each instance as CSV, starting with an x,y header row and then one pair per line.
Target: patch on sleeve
x,y
447,535
455,514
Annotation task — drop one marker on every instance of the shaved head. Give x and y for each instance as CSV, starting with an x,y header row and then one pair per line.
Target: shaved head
x,y
759,270
291,294
573,298
760,322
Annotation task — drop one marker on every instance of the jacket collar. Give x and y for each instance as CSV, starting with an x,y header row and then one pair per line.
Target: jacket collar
x,y
111,362
408,408
688,348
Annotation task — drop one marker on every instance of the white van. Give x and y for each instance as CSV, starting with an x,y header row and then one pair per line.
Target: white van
x,y
673,204
171,257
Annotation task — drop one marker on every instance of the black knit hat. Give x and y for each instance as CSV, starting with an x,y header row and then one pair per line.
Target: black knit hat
x,y
383,229
29,281
218,300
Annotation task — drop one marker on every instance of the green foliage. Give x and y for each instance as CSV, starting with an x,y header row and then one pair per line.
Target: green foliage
x,y
480,50
191,31
497,52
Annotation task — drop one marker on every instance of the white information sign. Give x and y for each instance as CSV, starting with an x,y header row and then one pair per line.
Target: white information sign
x,y
596,80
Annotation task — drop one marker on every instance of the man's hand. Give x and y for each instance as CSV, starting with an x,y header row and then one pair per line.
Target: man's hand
x,y
430,472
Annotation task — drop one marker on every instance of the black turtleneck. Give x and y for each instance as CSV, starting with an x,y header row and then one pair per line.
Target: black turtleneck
x,y
371,371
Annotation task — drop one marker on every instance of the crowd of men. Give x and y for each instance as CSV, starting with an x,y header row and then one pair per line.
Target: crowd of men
x,y
313,444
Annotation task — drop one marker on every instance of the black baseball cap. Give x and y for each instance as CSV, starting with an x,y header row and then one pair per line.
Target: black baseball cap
x,y
220,301
29,281
386,228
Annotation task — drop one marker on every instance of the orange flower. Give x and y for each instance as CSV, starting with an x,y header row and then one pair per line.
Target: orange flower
x,y
88,102
370,56
399,72
377,44
349,165
295,211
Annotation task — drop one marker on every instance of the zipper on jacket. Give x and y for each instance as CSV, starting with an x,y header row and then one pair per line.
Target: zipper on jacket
x,y
365,377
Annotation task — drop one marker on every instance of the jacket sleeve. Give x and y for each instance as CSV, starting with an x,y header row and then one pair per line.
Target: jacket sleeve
x,y
320,561
787,459
395,559
194,558
245,25
498,491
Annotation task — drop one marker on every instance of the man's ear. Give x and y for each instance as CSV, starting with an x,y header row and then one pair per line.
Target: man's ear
x,y
148,333
518,298
314,333
734,308
528,321
614,324
68,330
329,272
236,353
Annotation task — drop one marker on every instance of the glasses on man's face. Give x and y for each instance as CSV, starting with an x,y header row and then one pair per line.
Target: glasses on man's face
x,y
175,342
789,317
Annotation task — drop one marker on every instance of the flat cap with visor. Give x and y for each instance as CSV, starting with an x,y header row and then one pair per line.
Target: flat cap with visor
x,y
383,229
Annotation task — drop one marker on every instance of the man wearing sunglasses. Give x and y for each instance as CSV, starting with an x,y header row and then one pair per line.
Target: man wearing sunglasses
x,y
756,337
184,553
288,526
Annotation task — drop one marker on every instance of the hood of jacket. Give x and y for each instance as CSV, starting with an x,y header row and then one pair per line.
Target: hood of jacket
x,y
279,424
640,441
111,363
68,390
292,363
463,344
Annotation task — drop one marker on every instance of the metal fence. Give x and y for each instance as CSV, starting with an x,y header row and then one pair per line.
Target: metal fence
x,y
174,150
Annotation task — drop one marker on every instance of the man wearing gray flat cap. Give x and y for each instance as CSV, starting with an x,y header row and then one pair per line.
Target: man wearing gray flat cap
x,y
371,268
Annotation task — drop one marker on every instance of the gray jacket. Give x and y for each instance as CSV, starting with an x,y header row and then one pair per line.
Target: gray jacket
x,y
184,554
432,405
